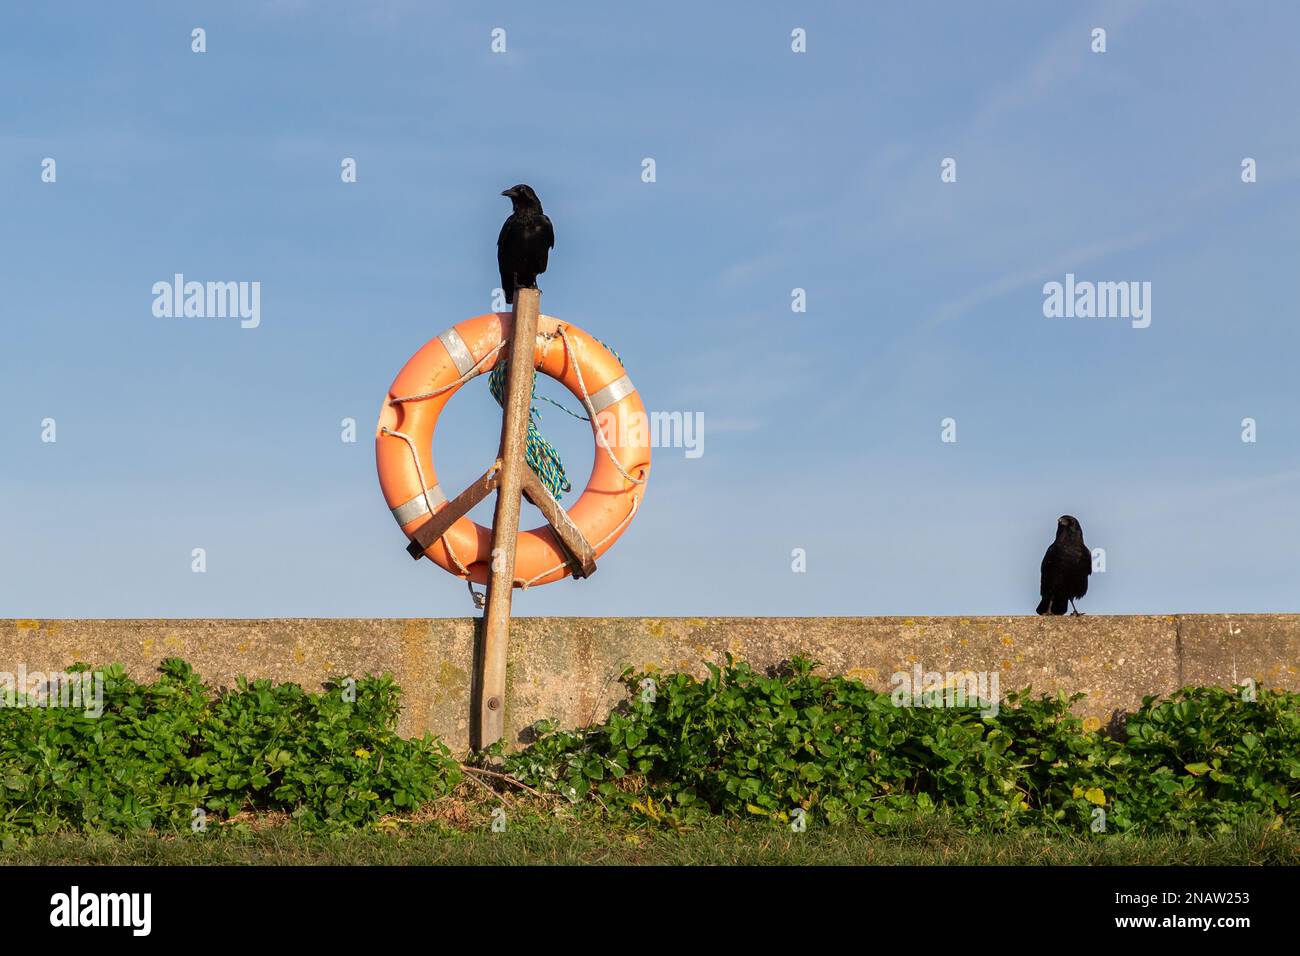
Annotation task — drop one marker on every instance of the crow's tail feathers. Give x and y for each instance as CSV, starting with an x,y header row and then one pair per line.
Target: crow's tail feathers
x,y
1053,604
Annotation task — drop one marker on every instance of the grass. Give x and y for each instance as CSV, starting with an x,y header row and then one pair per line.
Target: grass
x,y
459,834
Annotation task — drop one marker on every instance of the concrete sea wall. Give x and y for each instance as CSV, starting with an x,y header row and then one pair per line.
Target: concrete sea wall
x,y
567,669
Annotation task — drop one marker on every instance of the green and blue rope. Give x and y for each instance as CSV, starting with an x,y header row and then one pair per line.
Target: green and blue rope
x,y
540,454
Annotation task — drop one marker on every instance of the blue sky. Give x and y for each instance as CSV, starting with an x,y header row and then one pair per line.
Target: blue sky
x,y
775,171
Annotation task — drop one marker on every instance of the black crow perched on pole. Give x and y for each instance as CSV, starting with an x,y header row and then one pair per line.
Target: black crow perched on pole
x,y
525,242
1065,569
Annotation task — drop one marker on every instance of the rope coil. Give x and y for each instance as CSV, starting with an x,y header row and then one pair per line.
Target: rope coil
x,y
541,455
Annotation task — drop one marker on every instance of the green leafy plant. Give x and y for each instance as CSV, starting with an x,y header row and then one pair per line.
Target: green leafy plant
x,y
738,743
742,743
161,751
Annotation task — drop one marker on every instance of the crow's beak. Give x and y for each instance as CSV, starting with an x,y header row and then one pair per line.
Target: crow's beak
x,y
508,192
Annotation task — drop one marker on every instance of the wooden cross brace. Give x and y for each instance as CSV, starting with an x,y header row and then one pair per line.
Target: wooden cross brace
x,y
510,477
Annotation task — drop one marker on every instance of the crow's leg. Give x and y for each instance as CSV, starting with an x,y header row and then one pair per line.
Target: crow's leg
x,y
1077,612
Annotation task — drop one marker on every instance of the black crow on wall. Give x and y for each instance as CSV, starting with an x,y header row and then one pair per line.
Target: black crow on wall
x,y
1065,568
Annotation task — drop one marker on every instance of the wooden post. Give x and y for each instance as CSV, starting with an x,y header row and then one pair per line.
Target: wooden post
x,y
505,524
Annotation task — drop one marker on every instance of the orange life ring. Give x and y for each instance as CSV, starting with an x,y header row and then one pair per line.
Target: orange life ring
x,y
434,374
